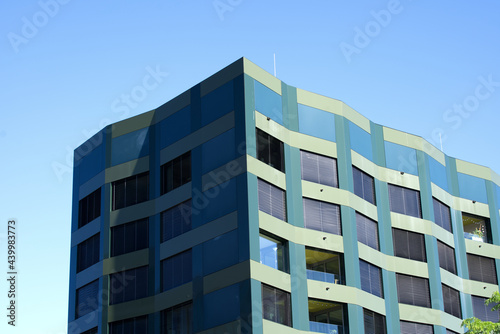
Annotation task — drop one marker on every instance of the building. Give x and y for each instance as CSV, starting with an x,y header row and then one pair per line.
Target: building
x,y
245,205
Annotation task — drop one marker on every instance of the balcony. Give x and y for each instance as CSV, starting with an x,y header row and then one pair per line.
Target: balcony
x,y
324,266
476,228
319,327
323,277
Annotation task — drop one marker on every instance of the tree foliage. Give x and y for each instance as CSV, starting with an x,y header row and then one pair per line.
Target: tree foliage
x,y
476,326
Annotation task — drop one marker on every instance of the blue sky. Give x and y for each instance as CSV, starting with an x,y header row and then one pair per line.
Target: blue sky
x,y
418,66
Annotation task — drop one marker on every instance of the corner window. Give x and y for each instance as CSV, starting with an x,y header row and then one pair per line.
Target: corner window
x,y
322,216
319,169
131,190
175,173
405,201
327,317
273,253
364,185
371,278
270,150
272,200
367,231
325,266
276,305
129,237
89,208
374,322
87,253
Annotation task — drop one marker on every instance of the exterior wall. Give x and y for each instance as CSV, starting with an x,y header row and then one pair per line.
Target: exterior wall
x,y
216,121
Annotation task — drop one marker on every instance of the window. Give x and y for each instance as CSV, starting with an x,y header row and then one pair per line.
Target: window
x,y
87,253
476,228
413,328
371,278
176,221
276,305
91,331
270,150
129,237
451,299
413,290
364,185
405,201
324,266
273,253
326,316
87,299
318,168
482,269
177,319
442,215
272,200
409,245
447,257
367,231
322,216
128,285
175,173
176,270
137,325
89,208
374,322
483,311
130,191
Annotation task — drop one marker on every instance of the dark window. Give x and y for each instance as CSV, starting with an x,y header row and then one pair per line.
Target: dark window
x,y
405,201
476,228
130,191
409,245
176,270
270,150
273,252
87,299
90,331
175,173
276,305
318,168
87,253
129,237
451,299
374,322
89,208
483,311
364,185
367,231
128,285
322,216
413,290
327,317
447,257
272,200
442,215
176,221
137,325
371,278
324,266
482,269
414,328
177,319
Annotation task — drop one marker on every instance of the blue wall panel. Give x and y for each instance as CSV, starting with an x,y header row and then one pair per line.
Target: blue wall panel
x,y
498,195
92,164
401,158
175,127
217,103
130,146
438,173
268,102
217,201
361,141
316,122
220,252
218,151
472,188
221,306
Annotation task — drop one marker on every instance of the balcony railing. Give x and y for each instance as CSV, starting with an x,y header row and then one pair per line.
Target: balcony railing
x,y
474,237
323,277
319,327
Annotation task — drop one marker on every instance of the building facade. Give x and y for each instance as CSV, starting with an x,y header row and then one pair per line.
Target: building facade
x,y
245,205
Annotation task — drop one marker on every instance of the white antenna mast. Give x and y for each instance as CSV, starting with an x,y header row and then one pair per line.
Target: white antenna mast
x,y
274,64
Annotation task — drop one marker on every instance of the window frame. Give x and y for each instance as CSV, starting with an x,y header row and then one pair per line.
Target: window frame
x,y
410,290
451,301
267,155
89,208
268,299
372,281
310,160
268,192
185,261
378,325
360,186
401,238
406,195
446,256
131,236
442,214
317,218
175,173
367,231
282,247
128,289
135,191
181,216
88,252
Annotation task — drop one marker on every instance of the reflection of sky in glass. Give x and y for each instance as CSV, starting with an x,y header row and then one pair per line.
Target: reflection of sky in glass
x,y
268,253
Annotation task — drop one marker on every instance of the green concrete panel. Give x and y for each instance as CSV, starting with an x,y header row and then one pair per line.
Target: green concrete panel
x,y
250,116
493,208
391,301
290,108
294,206
378,147
297,260
355,319
256,302
344,162
253,217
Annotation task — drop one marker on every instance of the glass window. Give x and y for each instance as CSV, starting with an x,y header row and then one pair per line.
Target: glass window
x,y
176,270
442,215
88,253
409,245
177,319
327,317
483,311
87,299
273,253
89,208
137,325
129,237
476,228
413,290
272,200
413,327
131,190
451,299
270,150
367,231
91,331
322,216
324,266
175,173
482,269
374,322
276,305
128,285
364,185
447,257
176,221
318,168
405,201
371,278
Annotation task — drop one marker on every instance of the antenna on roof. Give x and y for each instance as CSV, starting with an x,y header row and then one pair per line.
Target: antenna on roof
x,y
274,64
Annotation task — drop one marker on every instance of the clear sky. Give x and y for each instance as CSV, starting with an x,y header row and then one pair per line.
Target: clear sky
x,y
424,67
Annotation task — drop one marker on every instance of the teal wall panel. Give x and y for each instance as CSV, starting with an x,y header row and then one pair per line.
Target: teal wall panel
x,y
290,112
